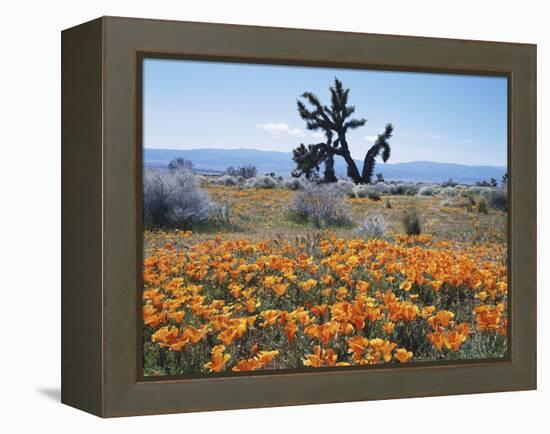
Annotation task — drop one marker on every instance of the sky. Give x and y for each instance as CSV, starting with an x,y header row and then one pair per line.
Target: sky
x,y
437,117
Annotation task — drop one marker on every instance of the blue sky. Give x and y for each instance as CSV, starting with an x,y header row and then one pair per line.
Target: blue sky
x,y
437,117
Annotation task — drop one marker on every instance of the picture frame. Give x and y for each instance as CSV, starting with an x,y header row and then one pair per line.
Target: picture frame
x,y
101,217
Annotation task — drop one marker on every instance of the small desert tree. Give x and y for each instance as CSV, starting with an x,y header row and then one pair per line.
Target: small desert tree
x,y
335,122
180,164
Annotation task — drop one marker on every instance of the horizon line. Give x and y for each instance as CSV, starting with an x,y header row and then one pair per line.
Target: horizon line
x,y
505,166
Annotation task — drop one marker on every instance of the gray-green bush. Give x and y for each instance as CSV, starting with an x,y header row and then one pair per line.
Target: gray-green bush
x,y
345,187
294,183
173,199
322,205
227,180
497,199
372,227
266,182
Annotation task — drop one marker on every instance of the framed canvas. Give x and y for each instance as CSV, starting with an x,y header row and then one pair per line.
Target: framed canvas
x,y
259,216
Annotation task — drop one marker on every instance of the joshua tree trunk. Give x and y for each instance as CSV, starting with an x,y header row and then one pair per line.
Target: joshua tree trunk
x,y
330,176
367,169
353,172
380,146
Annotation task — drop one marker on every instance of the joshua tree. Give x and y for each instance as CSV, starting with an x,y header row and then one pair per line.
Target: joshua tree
x,y
505,178
335,122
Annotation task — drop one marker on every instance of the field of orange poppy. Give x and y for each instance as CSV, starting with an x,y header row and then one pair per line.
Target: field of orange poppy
x,y
267,293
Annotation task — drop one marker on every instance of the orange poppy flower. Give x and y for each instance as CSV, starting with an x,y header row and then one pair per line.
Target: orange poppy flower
x,y
406,285
403,355
266,357
437,339
307,285
218,359
270,317
454,340
290,331
388,327
357,345
280,288
247,365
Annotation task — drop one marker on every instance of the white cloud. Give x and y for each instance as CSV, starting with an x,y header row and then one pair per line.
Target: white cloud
x,y
281,129
371,138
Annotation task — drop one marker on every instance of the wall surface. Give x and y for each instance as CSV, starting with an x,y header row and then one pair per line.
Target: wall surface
x,y
30,213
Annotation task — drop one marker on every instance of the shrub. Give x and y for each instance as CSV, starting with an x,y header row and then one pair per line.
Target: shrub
x,y
403,189
482,205
345,187
428,190
180,164
174,199
362,190
294,184
411,222
321,205
244,171
365,190
388,204
227,180
477,190
449,191
372,227
382,188
449,183
411,189
266,182
498,199
373,195
491,183
397,189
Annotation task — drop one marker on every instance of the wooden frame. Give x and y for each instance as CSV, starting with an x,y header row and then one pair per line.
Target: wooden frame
x,y
101,169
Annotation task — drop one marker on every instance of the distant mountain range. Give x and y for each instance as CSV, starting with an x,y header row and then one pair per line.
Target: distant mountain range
x,y
215,161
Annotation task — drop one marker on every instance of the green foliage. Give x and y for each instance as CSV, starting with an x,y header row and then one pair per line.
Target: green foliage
x,y
411,222
498,199
482,205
